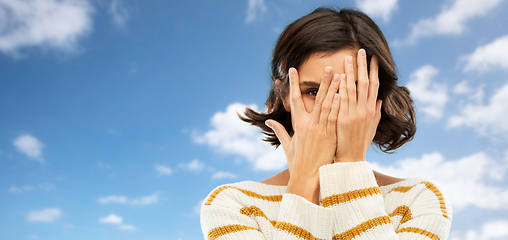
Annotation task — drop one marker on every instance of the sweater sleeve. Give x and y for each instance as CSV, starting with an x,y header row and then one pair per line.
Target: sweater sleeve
x,y
225,215
351,190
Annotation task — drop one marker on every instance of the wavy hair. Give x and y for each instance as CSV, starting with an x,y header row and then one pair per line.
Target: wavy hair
x,y
327,30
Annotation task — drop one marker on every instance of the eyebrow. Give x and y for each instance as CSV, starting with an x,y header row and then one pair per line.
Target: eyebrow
x,y
310,84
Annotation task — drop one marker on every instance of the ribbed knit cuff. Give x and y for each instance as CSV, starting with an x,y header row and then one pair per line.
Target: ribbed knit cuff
x,y
298,211
338,178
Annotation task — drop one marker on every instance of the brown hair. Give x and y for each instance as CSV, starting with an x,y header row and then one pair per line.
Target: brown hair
x,y
327,30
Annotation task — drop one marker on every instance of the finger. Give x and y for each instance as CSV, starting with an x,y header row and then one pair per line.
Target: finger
x,y
280,132
373,81
351,86
344,99
295,95
363,78
331,127
327,102
321,95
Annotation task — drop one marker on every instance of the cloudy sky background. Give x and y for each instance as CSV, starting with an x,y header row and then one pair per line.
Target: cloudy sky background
x,y
118,117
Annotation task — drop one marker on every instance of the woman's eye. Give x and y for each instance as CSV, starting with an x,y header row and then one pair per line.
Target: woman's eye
x,y
312,92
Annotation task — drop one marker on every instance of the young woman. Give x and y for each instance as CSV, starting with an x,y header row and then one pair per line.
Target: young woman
x,y
334,92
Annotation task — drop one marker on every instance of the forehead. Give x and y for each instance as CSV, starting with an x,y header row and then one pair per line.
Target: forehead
x,y
313,69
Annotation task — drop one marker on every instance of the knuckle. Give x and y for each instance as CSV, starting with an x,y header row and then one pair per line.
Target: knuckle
x,y
319,100
332,118
327,79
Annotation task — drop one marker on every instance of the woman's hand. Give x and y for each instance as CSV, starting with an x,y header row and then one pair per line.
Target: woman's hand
x,y
314,139
360,111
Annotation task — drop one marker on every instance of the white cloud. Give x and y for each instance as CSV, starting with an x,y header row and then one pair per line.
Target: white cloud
x,y
21,189
127,227
111,218
163,170
230,135
378,8
57,24
118,12
117,220
141,201
255,10
474,95
430,95
26,188
30,146
452,19
220,175
488,57
462,88
465,181
492,230
113,199
193,166
45,215
146,200
103,165
490,119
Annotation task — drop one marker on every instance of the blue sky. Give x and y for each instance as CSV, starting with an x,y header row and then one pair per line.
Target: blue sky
x,y
118,117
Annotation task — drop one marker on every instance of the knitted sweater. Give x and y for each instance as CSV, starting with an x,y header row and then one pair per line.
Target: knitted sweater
x,y
352,206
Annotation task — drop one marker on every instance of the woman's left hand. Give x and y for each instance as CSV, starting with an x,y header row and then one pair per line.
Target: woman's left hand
x,y
360,111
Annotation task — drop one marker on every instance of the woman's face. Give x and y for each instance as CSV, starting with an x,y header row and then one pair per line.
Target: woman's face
x,y
311,72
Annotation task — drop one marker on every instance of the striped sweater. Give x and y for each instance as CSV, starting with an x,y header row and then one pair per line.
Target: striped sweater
x,y
352,206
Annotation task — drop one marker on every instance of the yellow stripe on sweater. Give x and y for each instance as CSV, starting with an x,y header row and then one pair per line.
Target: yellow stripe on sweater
x,y
348,196
419,231
402,211
362,227
432,188
254,211
220,231
297,231
213,195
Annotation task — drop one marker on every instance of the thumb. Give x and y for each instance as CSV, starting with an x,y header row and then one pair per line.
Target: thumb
x,y
280,132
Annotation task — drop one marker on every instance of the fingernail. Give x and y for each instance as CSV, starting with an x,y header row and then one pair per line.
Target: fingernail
x,y
335,78
328,71
268,124
349,60
336,97
362,52
374,59
343,77
291,72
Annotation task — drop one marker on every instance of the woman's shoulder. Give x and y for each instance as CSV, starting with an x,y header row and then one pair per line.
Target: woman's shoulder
x,y
419,194
410,184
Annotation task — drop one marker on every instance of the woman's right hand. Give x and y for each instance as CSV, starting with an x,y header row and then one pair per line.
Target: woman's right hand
x,y
314,140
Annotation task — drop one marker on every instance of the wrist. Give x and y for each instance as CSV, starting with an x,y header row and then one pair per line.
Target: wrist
x,y
307,188
345,159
